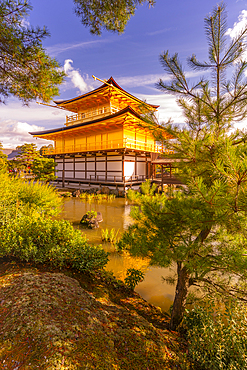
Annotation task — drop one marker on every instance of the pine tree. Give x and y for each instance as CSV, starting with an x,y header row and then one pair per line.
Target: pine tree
x,y
26,71
107,14
27,154
2,155
43,169
201,227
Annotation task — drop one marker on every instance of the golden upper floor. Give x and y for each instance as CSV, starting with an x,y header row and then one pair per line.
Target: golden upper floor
x,y
107,118
106,100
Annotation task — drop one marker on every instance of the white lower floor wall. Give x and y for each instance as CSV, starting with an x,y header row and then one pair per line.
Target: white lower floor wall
x,y
108,167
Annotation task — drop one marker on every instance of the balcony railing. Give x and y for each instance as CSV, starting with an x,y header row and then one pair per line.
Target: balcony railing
x,y
86,116
108,145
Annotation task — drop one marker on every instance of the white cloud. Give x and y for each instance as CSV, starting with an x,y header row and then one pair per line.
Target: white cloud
x,y
60,48
237,28
239,25
25,23
168,107
76,78
14,133
151,79
142,80
164,30
14,110
16,121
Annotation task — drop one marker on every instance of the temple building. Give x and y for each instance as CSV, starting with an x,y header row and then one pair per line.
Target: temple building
x,y
103,141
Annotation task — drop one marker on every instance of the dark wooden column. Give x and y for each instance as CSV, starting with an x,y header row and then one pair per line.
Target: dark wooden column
x,y
105,166
63,174
85,167
95,166
162,177
123,168
146,160
135,164
74,165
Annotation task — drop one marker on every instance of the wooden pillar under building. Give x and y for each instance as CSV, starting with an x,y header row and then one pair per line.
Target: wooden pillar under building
x,y
85,167
135,164
74,166
95,167
105,166
146,161
162,177
123,178
63,174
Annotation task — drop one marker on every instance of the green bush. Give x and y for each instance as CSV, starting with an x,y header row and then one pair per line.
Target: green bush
x,y
217,338
43,240
147,188
133,277
39,197
19,197
27,231
109,235
97,197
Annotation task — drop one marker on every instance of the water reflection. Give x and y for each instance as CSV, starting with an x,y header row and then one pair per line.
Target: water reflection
x,y
116,215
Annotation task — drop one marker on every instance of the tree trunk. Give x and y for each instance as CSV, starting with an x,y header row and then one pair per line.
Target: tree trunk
x,y
181,294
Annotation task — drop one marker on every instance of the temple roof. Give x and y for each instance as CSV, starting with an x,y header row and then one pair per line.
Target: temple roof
x,y
126,111
101,94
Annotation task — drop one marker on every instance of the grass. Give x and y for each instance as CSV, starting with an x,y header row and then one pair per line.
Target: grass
x,y
66,194
62,319
110,235
97,197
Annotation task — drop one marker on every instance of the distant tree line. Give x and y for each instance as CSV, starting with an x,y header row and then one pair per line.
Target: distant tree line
x,y
29,161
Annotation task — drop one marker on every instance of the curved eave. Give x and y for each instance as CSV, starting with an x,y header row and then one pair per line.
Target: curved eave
x,y
127,110
110,81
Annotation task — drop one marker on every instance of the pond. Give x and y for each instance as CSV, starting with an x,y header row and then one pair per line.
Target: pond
x,y
116,215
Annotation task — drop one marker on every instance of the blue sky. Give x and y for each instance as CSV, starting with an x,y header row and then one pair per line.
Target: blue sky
x,y
131,58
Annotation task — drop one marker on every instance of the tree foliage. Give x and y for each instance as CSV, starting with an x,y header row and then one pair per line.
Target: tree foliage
x,y
107,14
2,155
26,71
201,227
44,169
27,154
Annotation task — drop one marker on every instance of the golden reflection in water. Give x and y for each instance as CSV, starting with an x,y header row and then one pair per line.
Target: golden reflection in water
x,y
120,263
116,215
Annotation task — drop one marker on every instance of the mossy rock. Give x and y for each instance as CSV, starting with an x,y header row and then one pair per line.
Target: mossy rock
x,y
91,219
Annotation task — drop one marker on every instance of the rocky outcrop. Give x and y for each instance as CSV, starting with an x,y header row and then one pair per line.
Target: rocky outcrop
x,y
76,193
91,219
101,190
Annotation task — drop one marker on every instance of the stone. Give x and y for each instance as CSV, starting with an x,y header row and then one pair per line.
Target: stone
x,y
91,219
76,193
121,193
114,192
105,190
92,190
99,217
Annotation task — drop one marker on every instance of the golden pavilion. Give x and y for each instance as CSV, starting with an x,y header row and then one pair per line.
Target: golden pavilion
x,y
103,140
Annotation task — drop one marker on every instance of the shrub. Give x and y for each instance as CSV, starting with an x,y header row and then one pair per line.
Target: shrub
x,y
67,194
39,197
147,189
97,197
109,235
19,197
43,240
133,277
218,339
